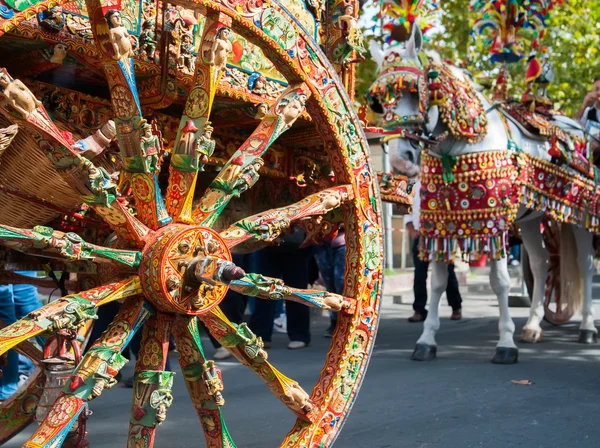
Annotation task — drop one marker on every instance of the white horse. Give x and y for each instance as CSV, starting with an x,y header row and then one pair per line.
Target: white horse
x,y
576,243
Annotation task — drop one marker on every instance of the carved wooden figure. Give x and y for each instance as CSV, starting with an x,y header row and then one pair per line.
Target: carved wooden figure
x,y
220,49
119,36
16,95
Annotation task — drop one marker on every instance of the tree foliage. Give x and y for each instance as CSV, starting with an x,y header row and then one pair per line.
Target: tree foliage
x,y
573,39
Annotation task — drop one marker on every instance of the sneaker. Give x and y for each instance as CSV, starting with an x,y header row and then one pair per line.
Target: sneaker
x,y
222,353
22,378
329,332
515,263
295,345
280,325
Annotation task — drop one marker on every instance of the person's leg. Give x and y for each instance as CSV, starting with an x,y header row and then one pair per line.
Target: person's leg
x,y
419,283
325,262
233,306
279,308
10,372
295,274
261,321
453,293
515,255
134,349
106,314
298,321
339,269
26,300
267,262
134,344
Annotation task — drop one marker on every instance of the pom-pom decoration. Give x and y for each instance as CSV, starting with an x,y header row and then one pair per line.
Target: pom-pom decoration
x,y
398,17
505,25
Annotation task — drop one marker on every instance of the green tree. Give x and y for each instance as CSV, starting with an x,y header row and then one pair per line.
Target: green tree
x,y
572,36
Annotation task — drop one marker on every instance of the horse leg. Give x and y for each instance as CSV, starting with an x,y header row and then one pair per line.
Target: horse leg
x,y
426,348
538,262
585,260
506,350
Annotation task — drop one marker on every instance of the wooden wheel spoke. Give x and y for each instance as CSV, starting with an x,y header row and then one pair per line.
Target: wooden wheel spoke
x,y
267,226
68,312
152,384
241,171
28,349
127,226
194,143
95,373
204,382
249,350
94,184
46,242
139,141
258,285
394,188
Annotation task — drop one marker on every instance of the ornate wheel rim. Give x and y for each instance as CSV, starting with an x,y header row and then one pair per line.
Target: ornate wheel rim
x,y
556,310
314,85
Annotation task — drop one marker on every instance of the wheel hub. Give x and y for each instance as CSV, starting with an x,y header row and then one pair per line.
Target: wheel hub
x,y
165,261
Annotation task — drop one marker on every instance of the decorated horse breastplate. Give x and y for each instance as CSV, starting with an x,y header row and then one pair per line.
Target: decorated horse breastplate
x,y
468,204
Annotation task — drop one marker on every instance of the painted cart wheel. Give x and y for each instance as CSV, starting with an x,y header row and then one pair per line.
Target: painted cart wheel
x,y
174,265
556,311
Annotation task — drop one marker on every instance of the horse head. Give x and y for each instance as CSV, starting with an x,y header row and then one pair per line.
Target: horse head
x,y
401,96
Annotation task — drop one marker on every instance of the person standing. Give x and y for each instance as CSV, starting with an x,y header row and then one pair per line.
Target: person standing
x,y
421,268
16,301
331,260
291,264
589,116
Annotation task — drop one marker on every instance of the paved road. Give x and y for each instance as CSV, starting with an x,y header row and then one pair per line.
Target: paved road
x,y
460,400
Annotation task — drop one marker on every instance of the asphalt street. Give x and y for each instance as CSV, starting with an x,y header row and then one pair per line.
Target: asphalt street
x,y
460,400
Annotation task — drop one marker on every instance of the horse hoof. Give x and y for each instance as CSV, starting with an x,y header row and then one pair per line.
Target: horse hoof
x,y
424,352
506,355
587,337
531,336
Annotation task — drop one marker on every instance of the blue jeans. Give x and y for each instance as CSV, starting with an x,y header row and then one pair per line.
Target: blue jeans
x,y
515,252
16,301
332,266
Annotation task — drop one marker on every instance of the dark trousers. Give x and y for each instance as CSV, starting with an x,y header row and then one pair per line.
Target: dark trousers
x,y
234,304
332,266
290,265
420,284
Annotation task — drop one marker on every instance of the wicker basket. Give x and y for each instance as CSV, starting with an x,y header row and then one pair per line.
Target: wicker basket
x,y
26,170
